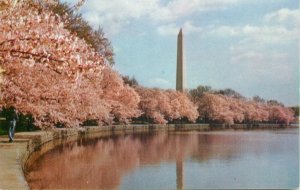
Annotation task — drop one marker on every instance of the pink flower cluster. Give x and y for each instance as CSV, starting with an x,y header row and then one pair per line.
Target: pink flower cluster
x,y
220,108
56,76
165,105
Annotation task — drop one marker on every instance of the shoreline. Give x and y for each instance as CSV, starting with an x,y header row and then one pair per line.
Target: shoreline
x,y
29,146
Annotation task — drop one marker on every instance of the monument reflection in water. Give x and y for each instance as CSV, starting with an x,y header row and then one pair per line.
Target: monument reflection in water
x,y
191,160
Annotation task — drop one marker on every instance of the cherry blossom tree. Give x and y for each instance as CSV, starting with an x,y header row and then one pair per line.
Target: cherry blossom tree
x,y
236,105
224,109
185,107
216,108
279,114
166,105
150,106
55,76
122,98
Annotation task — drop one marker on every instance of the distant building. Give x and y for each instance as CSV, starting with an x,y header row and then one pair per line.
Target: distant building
x,y
180,75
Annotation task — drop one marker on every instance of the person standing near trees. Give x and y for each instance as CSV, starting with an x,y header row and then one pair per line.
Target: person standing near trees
x,y
12,118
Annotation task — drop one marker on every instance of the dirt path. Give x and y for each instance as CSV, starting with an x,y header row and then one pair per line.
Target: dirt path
x,y
11,174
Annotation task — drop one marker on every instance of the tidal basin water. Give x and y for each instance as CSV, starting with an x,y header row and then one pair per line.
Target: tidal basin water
x,y
174,160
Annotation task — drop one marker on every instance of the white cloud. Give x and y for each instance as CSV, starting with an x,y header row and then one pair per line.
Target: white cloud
x,y
112,24
116,14
283,16
266,34
171,29
182,8
258,60
189,27
270,34
267,65
160,82
261,49
224,31
113,15
253,47
120,9
256,57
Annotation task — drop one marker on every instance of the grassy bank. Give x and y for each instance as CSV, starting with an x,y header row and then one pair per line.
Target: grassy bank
x,y
3,132
3,126
22,126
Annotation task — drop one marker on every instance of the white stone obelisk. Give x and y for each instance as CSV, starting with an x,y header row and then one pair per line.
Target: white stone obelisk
x,y
180,75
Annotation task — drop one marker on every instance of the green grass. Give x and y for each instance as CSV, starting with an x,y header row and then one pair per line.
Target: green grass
x,y
3,129
19,128
2,132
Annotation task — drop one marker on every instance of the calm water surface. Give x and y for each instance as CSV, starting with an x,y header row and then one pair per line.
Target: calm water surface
x,y
188,160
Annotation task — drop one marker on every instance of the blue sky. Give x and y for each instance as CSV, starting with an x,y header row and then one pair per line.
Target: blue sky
x,y
251,46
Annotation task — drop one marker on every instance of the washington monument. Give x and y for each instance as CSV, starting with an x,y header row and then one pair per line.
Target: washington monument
x,y
180,76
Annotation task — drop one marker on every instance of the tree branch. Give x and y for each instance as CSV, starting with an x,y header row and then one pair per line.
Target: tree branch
x,y
33,54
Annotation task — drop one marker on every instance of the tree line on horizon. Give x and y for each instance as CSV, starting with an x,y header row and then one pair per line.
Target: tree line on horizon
x,y
230,107
58,72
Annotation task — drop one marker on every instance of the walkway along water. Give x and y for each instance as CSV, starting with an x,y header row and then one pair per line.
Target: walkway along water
x,y
15,156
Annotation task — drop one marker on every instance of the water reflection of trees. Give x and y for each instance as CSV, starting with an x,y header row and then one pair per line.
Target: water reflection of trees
x,y
101,163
